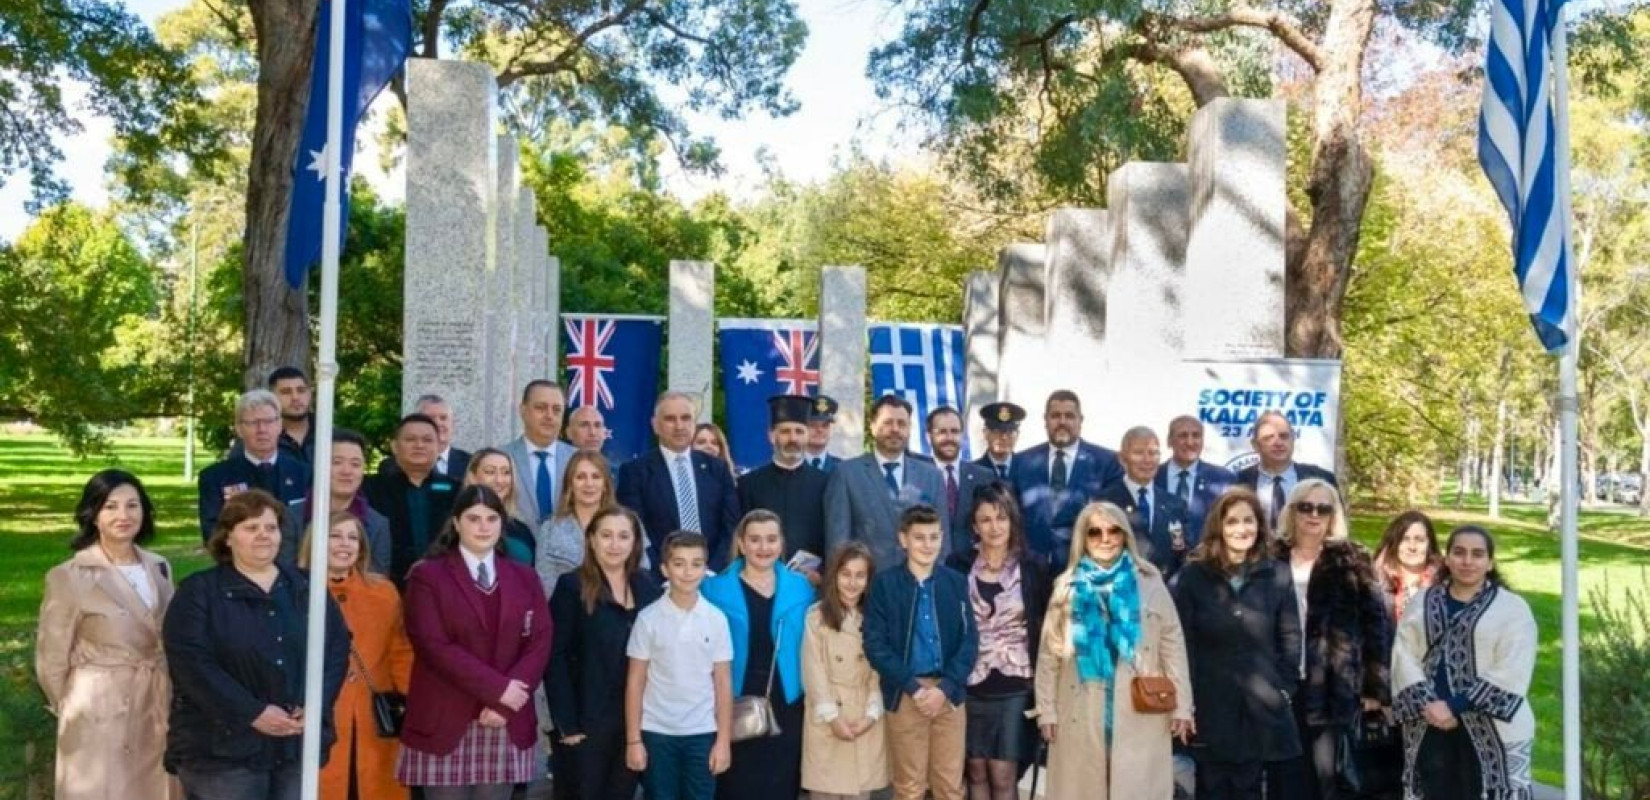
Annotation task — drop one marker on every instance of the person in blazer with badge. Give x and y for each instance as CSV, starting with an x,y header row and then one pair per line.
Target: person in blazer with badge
x,y
416,498
1002,434
1187,476
866,495
480,630
256,463
821,417
674,487
945,436
1157,518
1276,475
1053,481
537,457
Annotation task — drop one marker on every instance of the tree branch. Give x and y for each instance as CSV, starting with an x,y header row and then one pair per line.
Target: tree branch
x,y
1194,65
1279,24
972,31
562,60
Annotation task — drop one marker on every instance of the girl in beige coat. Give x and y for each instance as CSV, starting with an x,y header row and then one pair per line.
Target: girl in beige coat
x,y
98,649
1111,619
843,751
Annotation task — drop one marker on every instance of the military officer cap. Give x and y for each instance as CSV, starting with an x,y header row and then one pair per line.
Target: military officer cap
x,y
822,410
789,408
1002,416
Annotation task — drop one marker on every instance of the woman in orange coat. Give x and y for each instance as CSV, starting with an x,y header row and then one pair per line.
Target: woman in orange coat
x,y
362,763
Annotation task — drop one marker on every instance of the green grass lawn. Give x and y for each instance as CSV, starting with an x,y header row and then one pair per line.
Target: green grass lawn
x,y
40,482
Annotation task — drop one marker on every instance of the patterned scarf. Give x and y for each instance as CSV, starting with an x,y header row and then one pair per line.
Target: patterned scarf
x,y
1105,625
1004,641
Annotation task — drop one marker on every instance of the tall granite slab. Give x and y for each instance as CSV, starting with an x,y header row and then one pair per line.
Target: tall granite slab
x,y
692,336
1235,256
452,153
843,346
980,352
550,309
1079,272
1025,374
498,312
523,345
1146,309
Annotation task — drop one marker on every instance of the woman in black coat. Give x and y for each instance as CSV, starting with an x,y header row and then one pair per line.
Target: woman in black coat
x,y
1346,652
1243,642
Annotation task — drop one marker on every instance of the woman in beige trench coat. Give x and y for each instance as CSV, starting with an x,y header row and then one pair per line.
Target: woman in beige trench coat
x,y
1135,761
843,750
98,649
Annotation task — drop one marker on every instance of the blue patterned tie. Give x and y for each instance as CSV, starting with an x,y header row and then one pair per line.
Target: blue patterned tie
x,y
1145,509
687,507
544,488
1180,487
888,477
1057,478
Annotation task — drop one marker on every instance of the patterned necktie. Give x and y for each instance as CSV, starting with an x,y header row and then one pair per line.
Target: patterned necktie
x,y
950,490
1145,506
888,477
687,506
543,487
1057,479
484,577
1180,488
1277,499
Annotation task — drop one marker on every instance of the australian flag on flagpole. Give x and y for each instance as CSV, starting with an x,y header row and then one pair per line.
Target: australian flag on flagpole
x,y
377,37
613,364
923,364
762,358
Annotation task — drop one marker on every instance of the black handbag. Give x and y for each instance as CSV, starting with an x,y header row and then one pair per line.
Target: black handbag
x,y
388,708
1369,757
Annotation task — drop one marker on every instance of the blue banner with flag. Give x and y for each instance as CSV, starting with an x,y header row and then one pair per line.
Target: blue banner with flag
x,y
377,38
613,364
762,358
922,363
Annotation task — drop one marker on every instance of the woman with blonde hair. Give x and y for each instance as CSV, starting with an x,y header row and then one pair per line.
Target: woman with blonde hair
x,y
1111,622
492,468
362,764
709,439
586,490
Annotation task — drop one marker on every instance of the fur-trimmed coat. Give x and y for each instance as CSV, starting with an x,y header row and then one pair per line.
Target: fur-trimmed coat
x,y
1345,627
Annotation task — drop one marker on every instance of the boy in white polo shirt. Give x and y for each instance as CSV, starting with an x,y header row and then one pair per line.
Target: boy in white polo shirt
x,y
676,732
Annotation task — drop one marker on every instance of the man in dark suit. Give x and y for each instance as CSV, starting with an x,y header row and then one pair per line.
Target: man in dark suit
x,y
788,486
1055,480
675,487
866,495
1277,474
449,460
538,457
1187,476
945,434
820,419
1158,518
1002,435
257,463
292,390
416,498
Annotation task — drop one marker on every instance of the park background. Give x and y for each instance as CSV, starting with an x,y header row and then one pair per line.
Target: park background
x,y
915,139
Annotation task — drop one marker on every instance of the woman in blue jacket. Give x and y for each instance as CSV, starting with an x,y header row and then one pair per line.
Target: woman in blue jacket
x,y
766,606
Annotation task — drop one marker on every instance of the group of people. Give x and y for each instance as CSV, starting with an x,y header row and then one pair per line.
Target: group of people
x,y
1144,628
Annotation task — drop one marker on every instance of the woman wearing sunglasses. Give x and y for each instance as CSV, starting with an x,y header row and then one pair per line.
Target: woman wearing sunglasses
x,y
1345,649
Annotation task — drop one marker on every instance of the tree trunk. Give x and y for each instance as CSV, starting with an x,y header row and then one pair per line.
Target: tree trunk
x,y
1555,478
1496,453
1338,187
277,316
1644,473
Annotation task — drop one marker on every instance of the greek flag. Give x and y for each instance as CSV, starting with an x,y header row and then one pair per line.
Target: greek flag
x,y
1516,147
923,364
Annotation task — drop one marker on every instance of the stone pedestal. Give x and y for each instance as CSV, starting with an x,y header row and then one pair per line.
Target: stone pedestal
x,y
1023,374
1079,272
842,354
1146,307
550,329
498,363
452,153
524,347
692,316
1235,256
980,348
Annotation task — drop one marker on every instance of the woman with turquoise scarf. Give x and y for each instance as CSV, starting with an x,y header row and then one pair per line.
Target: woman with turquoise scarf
x,y
1111,619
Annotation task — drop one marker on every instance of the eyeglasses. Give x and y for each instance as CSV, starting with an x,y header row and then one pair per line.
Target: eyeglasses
x,y
1315,509
1095,533
260,422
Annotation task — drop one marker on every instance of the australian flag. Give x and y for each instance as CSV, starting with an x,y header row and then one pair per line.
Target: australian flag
x,y
923,364
762,358
613,364
377,37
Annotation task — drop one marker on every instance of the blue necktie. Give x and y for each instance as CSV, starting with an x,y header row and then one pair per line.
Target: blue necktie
x,y
1180,486
543,486
1057,478
888,477
1145,509
687,504
1002,470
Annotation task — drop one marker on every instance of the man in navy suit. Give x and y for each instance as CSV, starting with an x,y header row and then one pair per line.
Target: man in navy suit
x,y
257,463
820,419
1055,480
1002,434
1277,473
945,433
1187,476
1158,517
675,487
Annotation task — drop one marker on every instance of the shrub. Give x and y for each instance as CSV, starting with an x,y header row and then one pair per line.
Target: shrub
x,y
1615,698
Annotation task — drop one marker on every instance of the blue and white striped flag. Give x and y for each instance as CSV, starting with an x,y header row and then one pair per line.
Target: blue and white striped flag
x,y
921,363
1517,149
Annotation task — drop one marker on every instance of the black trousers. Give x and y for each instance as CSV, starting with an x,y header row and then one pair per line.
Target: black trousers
x,y
1447,766
594,768
1312,775
1227,780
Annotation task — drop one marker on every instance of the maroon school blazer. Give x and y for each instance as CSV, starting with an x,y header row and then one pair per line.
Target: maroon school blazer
x,y
462,659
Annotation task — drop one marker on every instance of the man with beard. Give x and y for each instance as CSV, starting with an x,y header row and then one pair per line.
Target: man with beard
x,y
866,495
291,389
788,486
945,432
1056,479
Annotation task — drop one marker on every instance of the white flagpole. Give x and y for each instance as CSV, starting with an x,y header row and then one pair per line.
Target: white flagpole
x,y
1567,410
326,372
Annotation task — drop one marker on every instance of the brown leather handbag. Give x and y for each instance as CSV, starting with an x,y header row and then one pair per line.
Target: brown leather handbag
x,y
1153,694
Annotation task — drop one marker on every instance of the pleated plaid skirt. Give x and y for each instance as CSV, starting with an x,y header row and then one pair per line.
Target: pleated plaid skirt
x,y
483,756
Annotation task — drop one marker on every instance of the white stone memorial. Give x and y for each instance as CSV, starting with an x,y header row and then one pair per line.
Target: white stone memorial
x,y
843,345
1145,307
1079,270
692,331
980,351
1023,374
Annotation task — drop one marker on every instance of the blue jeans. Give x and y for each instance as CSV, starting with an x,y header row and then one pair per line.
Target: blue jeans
x,y
280,783
678,767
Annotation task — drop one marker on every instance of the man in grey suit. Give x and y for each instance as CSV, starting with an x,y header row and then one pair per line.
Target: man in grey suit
x,y
945,432
537,457
866,495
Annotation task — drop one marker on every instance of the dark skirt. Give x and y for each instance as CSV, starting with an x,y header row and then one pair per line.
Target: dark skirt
x,y
998,728
769,767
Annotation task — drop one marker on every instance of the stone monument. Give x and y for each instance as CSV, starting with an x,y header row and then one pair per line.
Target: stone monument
x,y
980,349
843,347
1023,373
691,331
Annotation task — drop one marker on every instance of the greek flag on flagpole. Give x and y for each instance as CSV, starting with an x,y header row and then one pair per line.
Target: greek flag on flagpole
x,y
923,364
1516,139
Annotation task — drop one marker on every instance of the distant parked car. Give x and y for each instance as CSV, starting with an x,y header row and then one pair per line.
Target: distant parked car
x,y
1629,489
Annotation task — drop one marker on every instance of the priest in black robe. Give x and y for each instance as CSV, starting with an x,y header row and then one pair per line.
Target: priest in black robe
x,y
788,486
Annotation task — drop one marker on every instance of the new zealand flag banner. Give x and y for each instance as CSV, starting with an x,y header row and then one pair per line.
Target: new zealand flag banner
x,y
613,364
923,364
762,358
